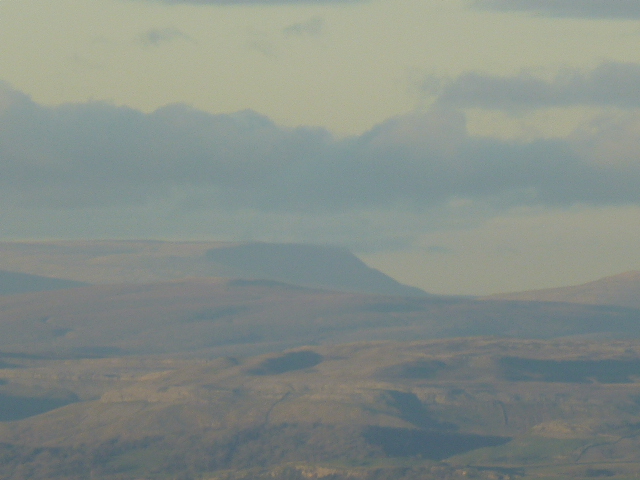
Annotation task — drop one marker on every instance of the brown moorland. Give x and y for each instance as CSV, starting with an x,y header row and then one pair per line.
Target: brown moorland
x,y
477,407
217,317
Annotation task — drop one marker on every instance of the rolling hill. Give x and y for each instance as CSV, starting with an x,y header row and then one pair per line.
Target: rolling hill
x,y
114,262
622,290
216,317
460,408
193,360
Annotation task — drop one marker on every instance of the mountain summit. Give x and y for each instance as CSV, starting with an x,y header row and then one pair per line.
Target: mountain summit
x,y
307,265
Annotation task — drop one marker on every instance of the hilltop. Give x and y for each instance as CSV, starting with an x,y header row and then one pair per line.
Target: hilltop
x,y
622,290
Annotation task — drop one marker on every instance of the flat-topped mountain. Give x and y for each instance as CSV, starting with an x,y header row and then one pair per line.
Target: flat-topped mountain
x,y
308,265
622,290
112,262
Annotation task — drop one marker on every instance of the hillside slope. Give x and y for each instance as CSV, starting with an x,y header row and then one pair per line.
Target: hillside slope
x,y
113,262
463,408
245,317
622,290
308,265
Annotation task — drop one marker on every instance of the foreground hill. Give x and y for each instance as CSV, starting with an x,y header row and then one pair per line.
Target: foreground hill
x,y
214,317
461,408
15,282
113,262
622,290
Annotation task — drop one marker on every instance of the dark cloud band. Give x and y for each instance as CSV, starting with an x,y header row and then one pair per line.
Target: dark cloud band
x,y
97,155
621,9
254,2
611,84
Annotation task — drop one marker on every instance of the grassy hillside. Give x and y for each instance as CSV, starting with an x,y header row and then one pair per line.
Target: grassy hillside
x,y
175,374
480,408
217,317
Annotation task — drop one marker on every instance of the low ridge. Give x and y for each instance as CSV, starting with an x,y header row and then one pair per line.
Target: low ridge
x,y
622,290
16,282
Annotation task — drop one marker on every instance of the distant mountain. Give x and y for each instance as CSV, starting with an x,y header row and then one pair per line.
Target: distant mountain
x,y
15,282
217,317
307,265
140,261
622,290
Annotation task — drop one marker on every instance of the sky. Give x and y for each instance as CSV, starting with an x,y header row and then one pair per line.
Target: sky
x,y
462,146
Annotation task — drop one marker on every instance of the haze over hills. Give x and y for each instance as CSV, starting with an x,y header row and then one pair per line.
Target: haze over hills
x,y
112,262
622,290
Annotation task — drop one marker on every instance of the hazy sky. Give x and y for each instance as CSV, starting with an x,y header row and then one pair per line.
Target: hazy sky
x,y
463,146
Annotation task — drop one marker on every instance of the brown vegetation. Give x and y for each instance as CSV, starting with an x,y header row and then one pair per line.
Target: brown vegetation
x,y
332,412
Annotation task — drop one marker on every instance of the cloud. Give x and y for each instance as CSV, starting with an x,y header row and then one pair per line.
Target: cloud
x,y
255,2
439,250
263,43
157,36
610,84
621,9
613,141
102,163
312,27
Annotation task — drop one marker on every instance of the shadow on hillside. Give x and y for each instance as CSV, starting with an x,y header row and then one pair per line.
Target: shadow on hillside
x,y
517,369
288,362
428,444
21,407
412,410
